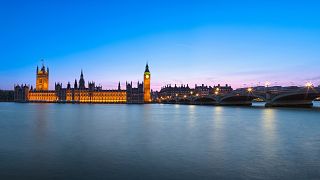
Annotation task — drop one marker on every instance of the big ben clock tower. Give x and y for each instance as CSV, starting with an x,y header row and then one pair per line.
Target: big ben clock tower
x,y
146,85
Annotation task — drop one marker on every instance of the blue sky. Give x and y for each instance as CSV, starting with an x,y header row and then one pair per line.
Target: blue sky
x,y
242,43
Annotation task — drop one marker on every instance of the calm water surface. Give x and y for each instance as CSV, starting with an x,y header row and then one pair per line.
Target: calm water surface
x,y
72,141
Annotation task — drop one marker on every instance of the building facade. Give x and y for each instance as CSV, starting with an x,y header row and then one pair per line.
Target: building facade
x,y
6,95
79,93
135,95
184,91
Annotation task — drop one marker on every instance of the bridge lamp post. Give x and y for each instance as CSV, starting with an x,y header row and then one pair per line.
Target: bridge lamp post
x,y
309,85
197,95
267,84
191,92
249,90
185,96
216,93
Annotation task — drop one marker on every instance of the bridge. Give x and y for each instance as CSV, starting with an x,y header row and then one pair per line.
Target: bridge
x,y
298,97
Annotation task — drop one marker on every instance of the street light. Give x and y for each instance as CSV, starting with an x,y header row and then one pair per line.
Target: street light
x,y
191,92
267,84
185,96
309,84
216,93
249,89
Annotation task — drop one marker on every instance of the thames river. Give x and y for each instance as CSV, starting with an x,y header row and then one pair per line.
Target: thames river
x,y
103,141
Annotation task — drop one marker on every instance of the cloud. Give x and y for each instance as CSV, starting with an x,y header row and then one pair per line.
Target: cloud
x,y
251,72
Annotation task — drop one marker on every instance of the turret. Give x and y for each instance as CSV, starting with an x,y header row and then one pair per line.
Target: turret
x,y
147,68
75,84
81,81
42,79
58,86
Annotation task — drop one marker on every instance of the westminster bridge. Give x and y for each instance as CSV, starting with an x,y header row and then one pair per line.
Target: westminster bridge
x,y
298,97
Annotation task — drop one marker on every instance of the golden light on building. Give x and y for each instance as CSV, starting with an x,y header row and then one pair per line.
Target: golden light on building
x,y
80,96
81,93
42,79
146,85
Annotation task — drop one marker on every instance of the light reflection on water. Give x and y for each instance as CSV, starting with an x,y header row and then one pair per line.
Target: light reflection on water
x,y
316,104
72,141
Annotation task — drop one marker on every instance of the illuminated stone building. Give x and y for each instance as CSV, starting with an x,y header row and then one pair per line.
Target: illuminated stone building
x,y
42,80
146,85
184,90
80,93
169,91
221,89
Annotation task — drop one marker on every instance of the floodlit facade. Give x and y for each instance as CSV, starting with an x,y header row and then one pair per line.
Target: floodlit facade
x,y
79,93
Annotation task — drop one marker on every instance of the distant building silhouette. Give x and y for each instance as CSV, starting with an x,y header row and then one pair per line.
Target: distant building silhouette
x,y
184,90
135,95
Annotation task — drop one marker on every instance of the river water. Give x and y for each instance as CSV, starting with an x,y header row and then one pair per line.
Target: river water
x,y
99,141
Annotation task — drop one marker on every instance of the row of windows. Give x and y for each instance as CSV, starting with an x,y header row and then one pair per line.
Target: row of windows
x,y
98,94
104,101
109,97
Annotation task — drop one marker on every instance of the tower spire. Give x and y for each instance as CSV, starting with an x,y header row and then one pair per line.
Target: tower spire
x,y
81,81
147,68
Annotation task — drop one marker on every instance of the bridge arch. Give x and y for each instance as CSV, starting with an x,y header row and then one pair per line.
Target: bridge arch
x,y
172,101
184,101
301,99
207,100
244,99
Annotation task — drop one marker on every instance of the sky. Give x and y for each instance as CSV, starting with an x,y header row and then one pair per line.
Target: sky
x,y
241,43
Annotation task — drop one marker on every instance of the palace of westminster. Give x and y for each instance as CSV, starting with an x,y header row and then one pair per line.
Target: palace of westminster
x,y
79,93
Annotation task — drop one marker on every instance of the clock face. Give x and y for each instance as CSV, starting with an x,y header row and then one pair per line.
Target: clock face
x,y
147,76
